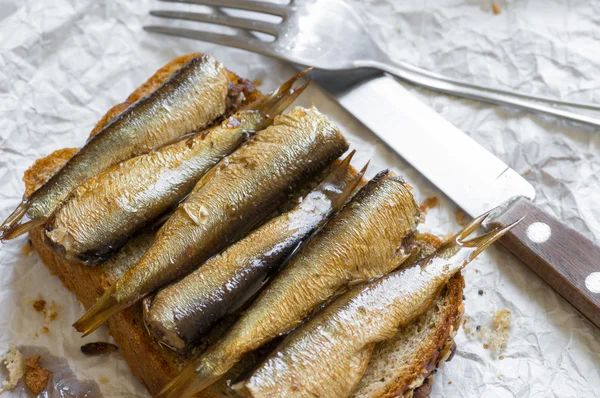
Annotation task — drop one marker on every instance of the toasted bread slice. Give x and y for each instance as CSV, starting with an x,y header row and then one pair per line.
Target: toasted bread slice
x,y
397,367
401,365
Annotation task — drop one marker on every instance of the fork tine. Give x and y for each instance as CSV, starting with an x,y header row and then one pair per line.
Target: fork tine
x,y
248,5
219,19
244,43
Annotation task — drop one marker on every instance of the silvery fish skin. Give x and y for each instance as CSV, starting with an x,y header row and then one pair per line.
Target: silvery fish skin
x,y
188,101
181,313
226,203
364,240
103,212
328,355
130,253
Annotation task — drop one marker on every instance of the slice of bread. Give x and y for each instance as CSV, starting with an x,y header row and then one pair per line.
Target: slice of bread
x,y
401,365
398,367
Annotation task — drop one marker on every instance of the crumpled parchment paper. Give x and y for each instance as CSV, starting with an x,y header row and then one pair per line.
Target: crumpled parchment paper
x,y
63,63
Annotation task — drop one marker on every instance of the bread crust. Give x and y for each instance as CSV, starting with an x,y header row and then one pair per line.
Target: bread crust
x,y
441,348
437,347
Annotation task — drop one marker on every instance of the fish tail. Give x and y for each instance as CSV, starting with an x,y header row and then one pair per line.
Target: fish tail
x,y
99,313
340,171
468,229
188,382
482,242
356,180
10,229
338,175
277,101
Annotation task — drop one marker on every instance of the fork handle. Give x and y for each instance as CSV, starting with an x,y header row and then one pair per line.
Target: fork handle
x,y
445,85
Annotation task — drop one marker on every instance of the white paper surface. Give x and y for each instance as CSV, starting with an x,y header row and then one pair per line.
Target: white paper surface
x,y
64,63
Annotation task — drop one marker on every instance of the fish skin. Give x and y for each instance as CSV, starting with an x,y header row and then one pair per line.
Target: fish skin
x,y
327,356
188,101
107,209
130,253
102,213
363,241
226,203
181,313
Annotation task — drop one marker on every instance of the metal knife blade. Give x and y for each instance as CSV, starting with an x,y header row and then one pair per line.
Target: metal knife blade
x,y
471,176
477,181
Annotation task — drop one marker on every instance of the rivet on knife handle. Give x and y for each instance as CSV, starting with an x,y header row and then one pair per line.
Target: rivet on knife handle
x,y
565,259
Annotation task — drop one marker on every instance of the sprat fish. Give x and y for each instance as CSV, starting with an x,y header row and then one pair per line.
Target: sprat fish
x,y
227,202
366,239
181,313
328,355
102,213
188,101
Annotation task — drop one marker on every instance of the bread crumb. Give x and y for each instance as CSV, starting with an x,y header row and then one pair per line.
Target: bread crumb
x,y
13,360
499,330
42,169
499,378
428,203
460,217
466,325
45,330
496,9
33,362
104,380
476,271
450,382
485,346
501,357
481,333
39,305
27,248
50,312
37,379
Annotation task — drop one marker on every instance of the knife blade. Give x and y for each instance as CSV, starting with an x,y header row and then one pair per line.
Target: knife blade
x,y
477,181
472,177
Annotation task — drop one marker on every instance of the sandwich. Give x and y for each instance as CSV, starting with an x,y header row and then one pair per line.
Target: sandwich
x,y
369,228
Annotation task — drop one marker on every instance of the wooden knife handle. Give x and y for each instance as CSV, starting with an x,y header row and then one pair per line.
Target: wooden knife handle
x,y
561,256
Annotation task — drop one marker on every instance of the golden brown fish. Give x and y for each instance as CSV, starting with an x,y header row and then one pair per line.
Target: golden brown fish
x,y
188,101
364,240
181,313
130,253
226,203
328,355
103,212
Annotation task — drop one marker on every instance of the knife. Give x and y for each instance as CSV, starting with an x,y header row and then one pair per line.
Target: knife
x,y
477,181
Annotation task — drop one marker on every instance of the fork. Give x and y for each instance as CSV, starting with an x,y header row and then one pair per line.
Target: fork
x,y
330,35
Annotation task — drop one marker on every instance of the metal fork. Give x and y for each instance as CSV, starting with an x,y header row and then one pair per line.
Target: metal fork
x,y
330,35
